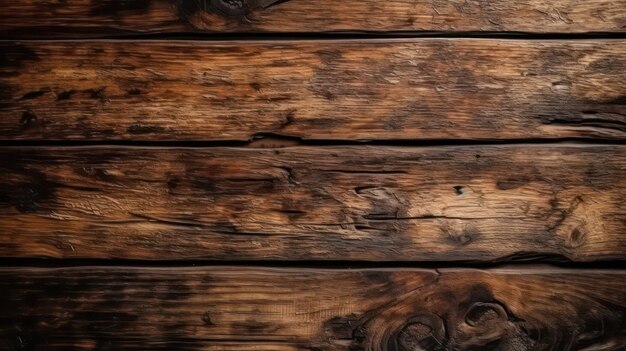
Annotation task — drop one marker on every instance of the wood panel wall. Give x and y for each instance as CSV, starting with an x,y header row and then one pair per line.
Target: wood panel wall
x,y
398,175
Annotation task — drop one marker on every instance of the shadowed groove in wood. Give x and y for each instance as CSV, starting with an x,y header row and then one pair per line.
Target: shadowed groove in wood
x,y
463,203
417,89
520,260
94,18
233,308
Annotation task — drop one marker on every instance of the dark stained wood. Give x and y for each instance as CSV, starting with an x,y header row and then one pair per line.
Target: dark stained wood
x,y
273,78
222,308
314,203
360,89
97,18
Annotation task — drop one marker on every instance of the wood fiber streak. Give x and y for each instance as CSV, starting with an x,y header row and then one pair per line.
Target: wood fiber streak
x,y
222,308
98,18
314,203
355,89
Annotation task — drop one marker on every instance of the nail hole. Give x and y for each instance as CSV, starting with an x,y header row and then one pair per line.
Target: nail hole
x,y
458,190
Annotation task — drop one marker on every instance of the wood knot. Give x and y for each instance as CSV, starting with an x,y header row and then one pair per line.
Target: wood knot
x,y
484,325
197,12
577,238
28,120
231,8
460,236
421,332
206,319
207,14
485,314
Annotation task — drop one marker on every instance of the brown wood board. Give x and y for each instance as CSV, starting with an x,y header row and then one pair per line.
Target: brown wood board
x,y
417,89
371,203
246,308
101,18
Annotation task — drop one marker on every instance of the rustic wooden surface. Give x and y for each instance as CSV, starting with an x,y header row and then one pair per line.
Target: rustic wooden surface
x,y
355,89
226,308
166,139
322,203
98,18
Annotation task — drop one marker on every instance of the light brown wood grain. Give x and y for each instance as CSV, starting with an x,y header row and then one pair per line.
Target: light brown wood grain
x,y
227,308
354,89
454,203
97,18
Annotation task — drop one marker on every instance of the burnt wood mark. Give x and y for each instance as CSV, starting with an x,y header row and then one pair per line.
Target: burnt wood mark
x,y
221,308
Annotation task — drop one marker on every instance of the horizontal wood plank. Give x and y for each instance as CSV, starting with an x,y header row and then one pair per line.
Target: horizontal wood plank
x,y
314,203
222,308
381,89
97,18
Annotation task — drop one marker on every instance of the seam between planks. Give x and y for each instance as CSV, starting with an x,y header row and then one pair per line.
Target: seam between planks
x,y
330,36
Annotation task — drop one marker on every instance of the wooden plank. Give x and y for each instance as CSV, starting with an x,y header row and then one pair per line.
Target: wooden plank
x,y
360,89
222,308
314,203
97,18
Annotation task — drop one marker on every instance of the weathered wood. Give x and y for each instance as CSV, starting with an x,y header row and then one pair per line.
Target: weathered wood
x,y
326,203
221,308
389,89
97,18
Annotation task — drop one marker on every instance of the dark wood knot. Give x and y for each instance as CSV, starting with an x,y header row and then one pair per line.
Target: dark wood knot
x,y
194,11
231,8
484,324
481,315
28,120
423,332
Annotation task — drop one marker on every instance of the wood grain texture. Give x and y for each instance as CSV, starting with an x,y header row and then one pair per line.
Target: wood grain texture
x,y
380,89
97,18
314,203
222,308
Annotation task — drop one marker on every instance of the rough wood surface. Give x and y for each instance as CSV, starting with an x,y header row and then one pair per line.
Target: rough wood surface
x,y
310,203
360,89
222,308
97,18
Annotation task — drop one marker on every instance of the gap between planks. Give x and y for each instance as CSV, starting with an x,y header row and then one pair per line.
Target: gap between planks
x,y
268,141
333,36
530,262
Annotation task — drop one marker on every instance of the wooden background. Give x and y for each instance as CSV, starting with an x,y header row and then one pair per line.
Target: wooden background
x,y
398,175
